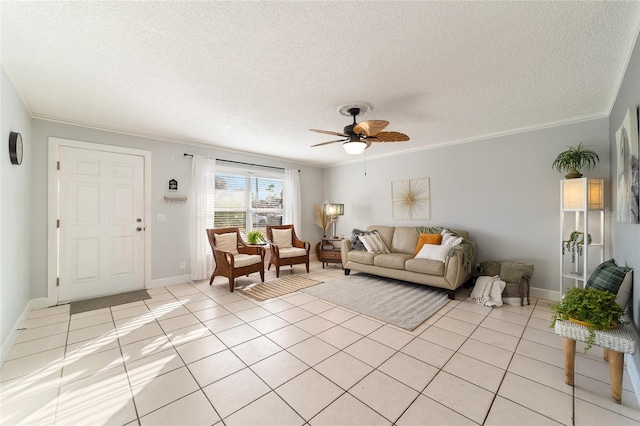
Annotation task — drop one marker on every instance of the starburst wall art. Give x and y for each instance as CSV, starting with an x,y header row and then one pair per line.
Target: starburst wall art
x,y
410,199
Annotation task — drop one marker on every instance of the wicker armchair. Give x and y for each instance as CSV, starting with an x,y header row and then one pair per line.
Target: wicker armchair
x,y
286,248
233,257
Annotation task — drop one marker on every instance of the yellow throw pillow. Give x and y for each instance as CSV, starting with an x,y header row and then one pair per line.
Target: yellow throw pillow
x,y
427,239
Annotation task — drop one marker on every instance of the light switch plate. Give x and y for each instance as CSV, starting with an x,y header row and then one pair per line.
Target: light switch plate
x,y
162,217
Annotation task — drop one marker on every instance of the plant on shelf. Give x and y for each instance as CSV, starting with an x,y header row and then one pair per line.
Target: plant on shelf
x,y
574,159
323,220
255,237
593,308
575,244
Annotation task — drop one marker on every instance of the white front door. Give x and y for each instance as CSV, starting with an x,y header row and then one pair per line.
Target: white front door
x,y
101,202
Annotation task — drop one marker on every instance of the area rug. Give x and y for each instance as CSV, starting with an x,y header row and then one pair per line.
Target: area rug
x,y
400,303
107,301
275,288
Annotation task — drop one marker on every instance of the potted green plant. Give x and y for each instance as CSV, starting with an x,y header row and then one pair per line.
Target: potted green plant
x,y
255,237
574,159
593,308
575,244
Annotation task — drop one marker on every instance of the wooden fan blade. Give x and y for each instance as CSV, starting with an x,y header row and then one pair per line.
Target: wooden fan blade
x,y
370,127
328,132
389,137
327,143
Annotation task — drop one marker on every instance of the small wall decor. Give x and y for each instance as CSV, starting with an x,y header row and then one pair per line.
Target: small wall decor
x,y
410,199
173,185
627,179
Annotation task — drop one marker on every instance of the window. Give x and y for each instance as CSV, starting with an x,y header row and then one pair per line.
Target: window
x,y
248,200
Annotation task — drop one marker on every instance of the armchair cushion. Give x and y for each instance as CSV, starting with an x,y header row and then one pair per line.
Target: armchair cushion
x,y
292,252
227,242
282,238
242,260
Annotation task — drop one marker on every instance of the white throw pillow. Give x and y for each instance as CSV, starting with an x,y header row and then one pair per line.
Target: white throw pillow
x,y
448,239
227,242
281,237
373,243
433,252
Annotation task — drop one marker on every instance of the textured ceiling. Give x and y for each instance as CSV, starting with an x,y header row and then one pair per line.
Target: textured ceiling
x,y
255,76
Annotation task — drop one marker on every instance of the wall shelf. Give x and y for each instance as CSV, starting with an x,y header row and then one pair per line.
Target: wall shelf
x,y
175,198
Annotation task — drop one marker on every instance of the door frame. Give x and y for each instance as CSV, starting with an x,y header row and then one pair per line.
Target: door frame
x,y
53,245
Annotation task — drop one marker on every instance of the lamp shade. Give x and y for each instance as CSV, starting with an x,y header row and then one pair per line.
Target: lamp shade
x,y
578,194
333,209
354,147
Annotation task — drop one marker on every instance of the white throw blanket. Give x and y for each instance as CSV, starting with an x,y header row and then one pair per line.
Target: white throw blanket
x,y
488,291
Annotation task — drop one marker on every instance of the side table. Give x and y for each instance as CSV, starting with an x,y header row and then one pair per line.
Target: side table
x,y
328,252
616,343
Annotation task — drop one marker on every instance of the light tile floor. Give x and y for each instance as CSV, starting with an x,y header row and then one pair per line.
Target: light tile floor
x,y
196,354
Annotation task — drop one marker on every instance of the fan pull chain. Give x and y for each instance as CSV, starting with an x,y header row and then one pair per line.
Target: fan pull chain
x,y
365,162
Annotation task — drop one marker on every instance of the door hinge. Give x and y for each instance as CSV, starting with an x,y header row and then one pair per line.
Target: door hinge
x,y
58,223
58,282
58,165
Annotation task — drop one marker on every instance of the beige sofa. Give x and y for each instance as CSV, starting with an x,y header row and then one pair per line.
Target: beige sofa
x,y
400,263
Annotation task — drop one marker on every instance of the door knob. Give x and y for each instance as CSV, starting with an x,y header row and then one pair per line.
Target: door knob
x,y
139,220
138,229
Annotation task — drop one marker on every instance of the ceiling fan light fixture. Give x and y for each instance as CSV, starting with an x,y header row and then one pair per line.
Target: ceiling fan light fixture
x,y
354,147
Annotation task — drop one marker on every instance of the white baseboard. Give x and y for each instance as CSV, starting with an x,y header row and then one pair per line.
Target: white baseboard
x,y
163,282
543,293
634,374
11,339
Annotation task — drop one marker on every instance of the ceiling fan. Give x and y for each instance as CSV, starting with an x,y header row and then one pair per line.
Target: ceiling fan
x,y
358,136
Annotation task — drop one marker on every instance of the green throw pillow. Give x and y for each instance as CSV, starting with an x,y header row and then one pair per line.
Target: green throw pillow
x,y
608,277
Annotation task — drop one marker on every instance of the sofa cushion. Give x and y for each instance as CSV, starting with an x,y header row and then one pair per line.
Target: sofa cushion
x,y
423,266
356,244
373,243
449,239
359,256
391,260
423,239
387,233
433,252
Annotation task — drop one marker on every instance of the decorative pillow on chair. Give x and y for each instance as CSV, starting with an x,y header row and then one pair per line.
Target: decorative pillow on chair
x,y
282,237
610,277
427,239
433,252
356,244
449,239
373,243
227,242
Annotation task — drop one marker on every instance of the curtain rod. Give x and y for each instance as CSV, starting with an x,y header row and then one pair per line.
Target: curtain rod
x,y
241,162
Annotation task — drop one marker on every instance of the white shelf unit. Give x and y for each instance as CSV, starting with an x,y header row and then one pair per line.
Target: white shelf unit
x,y
582,210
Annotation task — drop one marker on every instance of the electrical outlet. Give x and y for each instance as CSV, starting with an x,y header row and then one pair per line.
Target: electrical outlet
x,y
162,217
183,266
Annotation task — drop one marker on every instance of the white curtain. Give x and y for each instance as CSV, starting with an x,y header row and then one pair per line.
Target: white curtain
x,y
203,177
291,202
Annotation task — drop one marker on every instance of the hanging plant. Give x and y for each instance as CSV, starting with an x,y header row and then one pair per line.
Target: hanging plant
x,y
575,244
593,308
